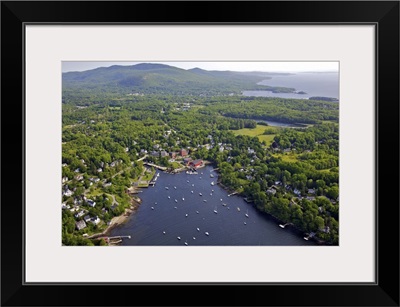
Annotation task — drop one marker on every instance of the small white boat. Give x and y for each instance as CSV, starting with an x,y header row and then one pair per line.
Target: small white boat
x,y
211,175
247,213
198,229
211,194
215,210
207,234
175,207
187,181
152,208
194,238
178,238
223,204
155,203
238,209
191,192
175,188
158,174
212,183
205,200
306,238
163,232
169,197
167,188
281,226
186,215
183,198
192,184
200,194
221,199
197,212
245,223
176,200
186,243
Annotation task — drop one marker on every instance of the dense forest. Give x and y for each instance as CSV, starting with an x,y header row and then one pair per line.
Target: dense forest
x,y
108,136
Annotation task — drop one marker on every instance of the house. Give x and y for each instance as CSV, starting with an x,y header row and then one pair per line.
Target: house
x,y
79,214
278,182
155,154
297,192
126,149
221,149
183,152
106,185
64,179
271,191
79,177
172,155
311,191
68,193
64,164
91,203
77,170
249,150
99,170
187,161
95,220
80,225
196,163
87,218
163,153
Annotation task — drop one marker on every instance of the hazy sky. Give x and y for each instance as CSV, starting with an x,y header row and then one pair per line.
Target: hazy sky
x,y
233,66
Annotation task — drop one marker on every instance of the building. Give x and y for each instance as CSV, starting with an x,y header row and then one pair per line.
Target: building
x,y
80,225
183,152
196,163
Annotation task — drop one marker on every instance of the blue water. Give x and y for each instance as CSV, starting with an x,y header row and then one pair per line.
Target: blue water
x,y
158,214
325,84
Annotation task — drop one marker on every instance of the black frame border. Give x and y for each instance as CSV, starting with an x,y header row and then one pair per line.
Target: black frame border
x,y
383,14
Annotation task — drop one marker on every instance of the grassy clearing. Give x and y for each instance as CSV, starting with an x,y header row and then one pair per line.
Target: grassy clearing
x,y
287,157
258,132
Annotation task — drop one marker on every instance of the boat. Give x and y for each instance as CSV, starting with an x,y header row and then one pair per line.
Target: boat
x,y
191,192
175,207
221,199
210,194
306,238
198,229
176,200
192,184
245,223
238,209
167,188
215,210
247,213
163,232
175,188
169,197
183,198
211,175
178,238
207,234
197,212
187,181
158,174
200,194
152,208
205,200
212,182
155,203
194,238
281,226
186,243
223,204
186,215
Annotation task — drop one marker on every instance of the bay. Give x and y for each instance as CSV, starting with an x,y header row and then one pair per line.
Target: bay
x,y
182,205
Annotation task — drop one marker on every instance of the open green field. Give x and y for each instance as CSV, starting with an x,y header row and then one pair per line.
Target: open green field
x,y
258,132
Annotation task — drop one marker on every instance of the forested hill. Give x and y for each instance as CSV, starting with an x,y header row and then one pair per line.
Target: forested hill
x,y
148,78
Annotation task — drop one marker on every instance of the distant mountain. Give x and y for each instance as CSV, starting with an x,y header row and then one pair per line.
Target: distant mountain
x,y
150,78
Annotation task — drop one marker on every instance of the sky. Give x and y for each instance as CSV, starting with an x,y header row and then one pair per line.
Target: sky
x,y
287,66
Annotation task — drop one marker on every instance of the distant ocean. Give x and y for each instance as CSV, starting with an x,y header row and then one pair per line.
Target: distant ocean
x,y
325,84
